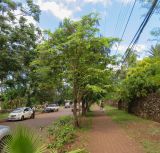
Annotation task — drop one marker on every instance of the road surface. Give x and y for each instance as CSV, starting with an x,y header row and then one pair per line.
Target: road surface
x,y
41,120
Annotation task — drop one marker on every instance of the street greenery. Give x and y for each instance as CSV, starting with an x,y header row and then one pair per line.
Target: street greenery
x,y
61,133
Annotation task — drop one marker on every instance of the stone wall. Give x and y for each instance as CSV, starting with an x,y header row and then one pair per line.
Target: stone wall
x,y
148,107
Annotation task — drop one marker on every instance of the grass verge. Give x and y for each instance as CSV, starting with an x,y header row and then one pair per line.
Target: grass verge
x,y
3,116
146,132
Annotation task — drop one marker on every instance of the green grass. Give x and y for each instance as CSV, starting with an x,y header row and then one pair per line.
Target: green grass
x,y
145,135
151,147
120,116
86,122
3,116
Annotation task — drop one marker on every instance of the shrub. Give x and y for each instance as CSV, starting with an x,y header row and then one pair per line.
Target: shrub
x,y
63,133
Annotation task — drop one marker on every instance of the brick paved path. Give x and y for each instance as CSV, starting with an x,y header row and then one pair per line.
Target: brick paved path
x,y
107,137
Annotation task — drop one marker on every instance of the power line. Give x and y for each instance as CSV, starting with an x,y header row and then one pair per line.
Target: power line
x,y
121,16
129,17
115,29
139,32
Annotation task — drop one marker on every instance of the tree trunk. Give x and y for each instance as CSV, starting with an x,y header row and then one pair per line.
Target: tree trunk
x,y
87,107
75,113
76,122
83,107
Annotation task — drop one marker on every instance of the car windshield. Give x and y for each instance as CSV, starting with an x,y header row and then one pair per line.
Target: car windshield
x,y
52,105
18,110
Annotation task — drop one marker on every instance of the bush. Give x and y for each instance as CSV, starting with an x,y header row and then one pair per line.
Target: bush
x,y
63,133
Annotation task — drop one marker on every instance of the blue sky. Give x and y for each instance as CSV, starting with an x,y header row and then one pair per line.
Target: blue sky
x,y
53,11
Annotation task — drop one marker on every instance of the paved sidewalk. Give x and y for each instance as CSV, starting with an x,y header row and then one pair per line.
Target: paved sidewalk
x,y
107,137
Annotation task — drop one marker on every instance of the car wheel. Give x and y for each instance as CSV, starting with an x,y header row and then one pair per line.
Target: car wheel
x,y
22,118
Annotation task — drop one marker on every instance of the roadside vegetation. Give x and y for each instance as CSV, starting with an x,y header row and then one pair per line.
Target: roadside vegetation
x,y
146,132
3,116
74,62
64,136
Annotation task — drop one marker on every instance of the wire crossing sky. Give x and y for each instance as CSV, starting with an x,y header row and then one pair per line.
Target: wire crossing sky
x,y
114,16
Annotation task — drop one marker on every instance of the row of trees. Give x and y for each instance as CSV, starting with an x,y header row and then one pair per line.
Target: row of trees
x,y
72,63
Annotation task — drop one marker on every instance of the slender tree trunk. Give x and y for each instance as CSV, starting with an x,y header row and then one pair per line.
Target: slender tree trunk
x,y
76,122
87,107
75,113
83,107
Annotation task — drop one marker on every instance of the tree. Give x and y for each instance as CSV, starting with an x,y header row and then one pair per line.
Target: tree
x,y
76,56
155,51
18,38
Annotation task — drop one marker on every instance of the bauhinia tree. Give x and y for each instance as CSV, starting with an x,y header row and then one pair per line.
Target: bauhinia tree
x,y
77,56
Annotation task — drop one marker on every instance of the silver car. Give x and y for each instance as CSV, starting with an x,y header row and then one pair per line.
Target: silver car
x,y
4,134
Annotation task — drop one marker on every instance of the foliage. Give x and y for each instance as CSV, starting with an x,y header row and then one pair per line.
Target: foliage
x,y
23,140
63,132
141,79
18,39
75,56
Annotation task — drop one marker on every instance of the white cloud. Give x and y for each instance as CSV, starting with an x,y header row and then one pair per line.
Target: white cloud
x,y
140,48
70,1
57,9
98,1
125,1
122,48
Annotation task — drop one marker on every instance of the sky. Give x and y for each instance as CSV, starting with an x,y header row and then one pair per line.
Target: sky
x,y
113,14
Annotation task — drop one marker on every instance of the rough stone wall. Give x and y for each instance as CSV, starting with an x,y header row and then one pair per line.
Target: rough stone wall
x,y
148,107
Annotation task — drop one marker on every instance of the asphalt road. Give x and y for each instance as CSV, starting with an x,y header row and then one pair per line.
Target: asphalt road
x,y
41,120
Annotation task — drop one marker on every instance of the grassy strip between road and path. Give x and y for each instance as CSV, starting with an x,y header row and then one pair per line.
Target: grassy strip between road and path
x,y
64,137
3,116
146,132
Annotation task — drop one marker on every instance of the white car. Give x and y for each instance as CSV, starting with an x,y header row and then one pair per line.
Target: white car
x,y
4,134
52,108
21,114
67,105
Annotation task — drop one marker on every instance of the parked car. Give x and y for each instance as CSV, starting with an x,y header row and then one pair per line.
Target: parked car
x,y
52,108
67,105
21,114
4,134
78,108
